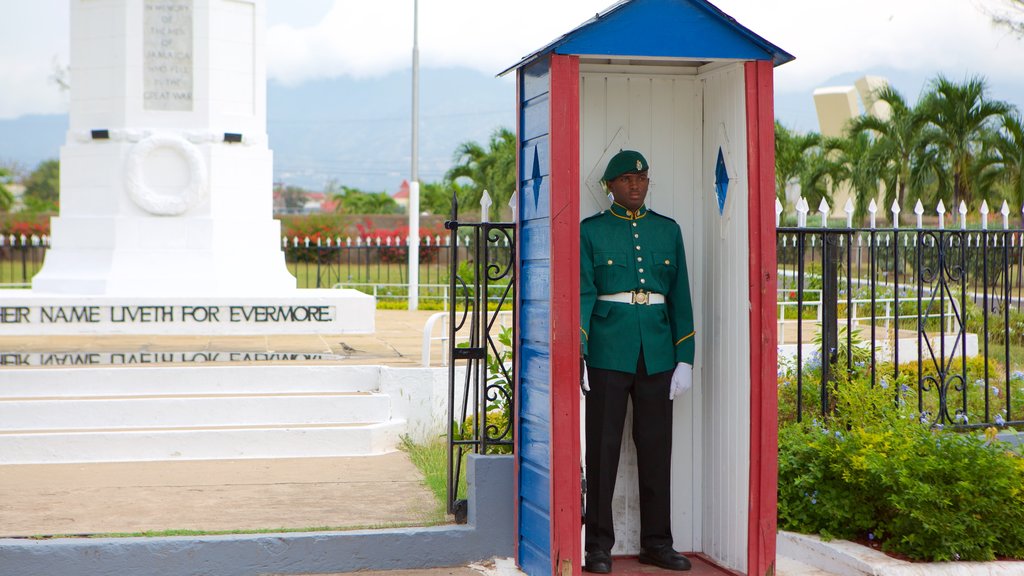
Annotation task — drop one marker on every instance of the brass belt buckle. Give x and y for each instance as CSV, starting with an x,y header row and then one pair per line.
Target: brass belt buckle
x,y
640,297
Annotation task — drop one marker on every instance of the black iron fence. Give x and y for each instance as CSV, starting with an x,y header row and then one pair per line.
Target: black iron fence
x,y
20,258
934,315
377,266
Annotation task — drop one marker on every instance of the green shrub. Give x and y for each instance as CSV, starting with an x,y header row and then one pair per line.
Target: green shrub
x,y
873,470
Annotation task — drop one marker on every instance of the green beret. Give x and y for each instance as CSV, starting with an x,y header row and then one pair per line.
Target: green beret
x,y
624,162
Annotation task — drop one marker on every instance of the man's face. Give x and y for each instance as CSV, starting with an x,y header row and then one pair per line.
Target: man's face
x,y
630,189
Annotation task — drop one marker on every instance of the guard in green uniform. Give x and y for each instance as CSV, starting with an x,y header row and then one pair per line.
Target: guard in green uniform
x,y
638,342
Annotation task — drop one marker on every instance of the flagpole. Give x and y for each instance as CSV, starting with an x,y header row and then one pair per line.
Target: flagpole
x,y
414,183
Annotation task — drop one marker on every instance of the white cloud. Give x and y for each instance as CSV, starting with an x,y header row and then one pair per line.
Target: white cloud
x,y
831,37
366,39
360,38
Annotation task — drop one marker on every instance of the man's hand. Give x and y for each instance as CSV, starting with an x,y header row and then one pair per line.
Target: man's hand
x,y
682,379
584,381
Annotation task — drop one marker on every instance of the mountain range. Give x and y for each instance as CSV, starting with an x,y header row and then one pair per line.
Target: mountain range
x,y
358,131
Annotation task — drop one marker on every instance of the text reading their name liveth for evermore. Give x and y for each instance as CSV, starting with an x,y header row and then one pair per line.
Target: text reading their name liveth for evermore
x,y
154,314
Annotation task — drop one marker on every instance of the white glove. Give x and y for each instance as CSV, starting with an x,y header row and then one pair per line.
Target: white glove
x,y
586,381
682,379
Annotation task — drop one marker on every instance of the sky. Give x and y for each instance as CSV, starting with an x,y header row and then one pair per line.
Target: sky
x,y
310,39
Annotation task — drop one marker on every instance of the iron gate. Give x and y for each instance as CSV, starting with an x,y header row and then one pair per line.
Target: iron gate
x,y
935,289
481,398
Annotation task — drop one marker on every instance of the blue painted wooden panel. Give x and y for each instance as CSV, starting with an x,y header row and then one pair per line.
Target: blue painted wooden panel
x,y
535,240
538,479
534,325
535,281
534,416
534,412
535,443
534,520
535,120
536,80
532,560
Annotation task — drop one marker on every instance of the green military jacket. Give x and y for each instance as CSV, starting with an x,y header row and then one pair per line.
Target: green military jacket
x,y
622,251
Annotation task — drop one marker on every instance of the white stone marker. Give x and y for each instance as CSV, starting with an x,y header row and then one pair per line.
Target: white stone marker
x,y
166,181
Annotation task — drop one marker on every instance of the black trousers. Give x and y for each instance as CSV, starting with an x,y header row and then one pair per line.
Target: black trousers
x,y
652,436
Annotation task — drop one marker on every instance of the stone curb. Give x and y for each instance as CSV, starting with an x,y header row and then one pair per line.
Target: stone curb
x,y
845,558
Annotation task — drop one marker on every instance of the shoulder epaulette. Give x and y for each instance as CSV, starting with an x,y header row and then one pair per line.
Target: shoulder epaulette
x,y
661,215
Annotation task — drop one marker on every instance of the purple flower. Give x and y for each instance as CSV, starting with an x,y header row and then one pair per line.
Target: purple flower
x,y
1000,421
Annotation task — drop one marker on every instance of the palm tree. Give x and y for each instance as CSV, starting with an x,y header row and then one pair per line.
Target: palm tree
x,y
6,198
850,166
492,169
355,201
793,157
1010,144
894,144
960,134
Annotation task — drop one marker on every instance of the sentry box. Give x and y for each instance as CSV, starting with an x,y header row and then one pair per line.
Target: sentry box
x,y
690,88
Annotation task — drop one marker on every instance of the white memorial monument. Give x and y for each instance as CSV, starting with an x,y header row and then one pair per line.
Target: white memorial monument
x,y
165,222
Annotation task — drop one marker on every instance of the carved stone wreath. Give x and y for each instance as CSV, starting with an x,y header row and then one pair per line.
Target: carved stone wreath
x,y
165,204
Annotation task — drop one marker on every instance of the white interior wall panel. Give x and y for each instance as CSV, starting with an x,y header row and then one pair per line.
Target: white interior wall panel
x,y
658,114
725,346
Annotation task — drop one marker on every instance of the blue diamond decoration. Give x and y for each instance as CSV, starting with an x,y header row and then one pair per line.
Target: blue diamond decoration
x,y
721,181
535,176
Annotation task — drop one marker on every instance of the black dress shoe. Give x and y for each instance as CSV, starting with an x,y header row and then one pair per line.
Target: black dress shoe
x,y
598,563
666,558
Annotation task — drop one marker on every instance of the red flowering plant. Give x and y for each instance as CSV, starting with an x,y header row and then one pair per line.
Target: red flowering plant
x,y
318,228
27,226
393,242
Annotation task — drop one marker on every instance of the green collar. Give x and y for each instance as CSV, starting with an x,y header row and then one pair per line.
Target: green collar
x,y
621,211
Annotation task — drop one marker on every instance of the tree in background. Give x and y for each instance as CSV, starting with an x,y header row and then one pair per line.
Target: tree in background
x,y
959,135
6,198
793,154
895,143
436,197
492,169
837,162
1012,17
293,198
42,187
355,201
1010,144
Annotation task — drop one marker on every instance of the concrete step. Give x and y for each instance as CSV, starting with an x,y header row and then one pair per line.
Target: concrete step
x,y
183,411
158,380
144,413
206,443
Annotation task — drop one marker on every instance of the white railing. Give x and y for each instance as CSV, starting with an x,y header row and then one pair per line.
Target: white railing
x,y
442,318
886,316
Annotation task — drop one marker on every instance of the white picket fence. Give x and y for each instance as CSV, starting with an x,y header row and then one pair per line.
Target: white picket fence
x,y
803,210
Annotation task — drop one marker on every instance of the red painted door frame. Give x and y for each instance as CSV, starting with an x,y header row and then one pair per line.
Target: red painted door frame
x,y
763,499
566,548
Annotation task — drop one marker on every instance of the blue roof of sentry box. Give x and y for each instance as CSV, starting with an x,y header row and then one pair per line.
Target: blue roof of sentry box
x,y
692,29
